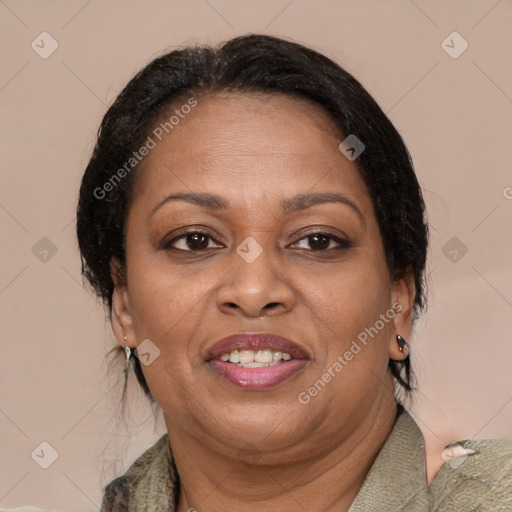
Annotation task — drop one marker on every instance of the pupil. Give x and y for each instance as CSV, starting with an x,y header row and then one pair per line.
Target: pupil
x,y
197,241
320,241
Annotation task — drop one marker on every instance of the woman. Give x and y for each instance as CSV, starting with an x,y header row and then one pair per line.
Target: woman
x,y
252,220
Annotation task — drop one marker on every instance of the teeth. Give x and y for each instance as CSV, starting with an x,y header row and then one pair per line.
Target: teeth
x,y
255,365
263,356
276,355
246,356
255,358
233,356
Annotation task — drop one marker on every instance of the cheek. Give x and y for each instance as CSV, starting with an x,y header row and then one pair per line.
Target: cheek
x,y
166,308
347,307
164,298
167,311
351,295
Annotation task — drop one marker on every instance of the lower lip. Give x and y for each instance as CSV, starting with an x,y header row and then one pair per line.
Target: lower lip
x,y
257,378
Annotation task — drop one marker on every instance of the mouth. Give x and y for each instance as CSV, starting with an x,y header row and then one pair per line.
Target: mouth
x,y
256,360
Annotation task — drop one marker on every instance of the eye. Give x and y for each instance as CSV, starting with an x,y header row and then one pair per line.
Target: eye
x,y
190,241
323,241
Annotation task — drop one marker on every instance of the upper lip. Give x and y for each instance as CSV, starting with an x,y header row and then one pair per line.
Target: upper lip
x,y
255,341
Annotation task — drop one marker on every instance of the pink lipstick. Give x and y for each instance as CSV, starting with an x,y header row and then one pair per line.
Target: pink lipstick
x,y
256,361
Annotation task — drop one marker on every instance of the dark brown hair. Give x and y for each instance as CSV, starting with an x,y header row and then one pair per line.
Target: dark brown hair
x,y
251,64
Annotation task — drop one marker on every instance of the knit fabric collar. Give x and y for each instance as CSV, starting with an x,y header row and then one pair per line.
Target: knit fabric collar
x,y
396,481
151,484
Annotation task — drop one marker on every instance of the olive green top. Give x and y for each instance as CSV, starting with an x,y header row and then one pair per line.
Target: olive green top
x,y
396,482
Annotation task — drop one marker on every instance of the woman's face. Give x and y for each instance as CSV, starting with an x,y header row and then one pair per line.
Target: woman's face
x,y
257,267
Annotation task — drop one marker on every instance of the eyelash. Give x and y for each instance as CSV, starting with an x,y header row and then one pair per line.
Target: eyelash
x,y
342,244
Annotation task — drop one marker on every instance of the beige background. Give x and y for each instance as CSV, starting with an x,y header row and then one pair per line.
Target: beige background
x,y
454,114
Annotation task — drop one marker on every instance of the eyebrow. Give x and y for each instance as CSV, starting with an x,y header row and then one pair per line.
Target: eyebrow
x,y
208,201
303,201
292,205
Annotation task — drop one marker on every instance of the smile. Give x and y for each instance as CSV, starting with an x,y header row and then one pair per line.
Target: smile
x,y
256,361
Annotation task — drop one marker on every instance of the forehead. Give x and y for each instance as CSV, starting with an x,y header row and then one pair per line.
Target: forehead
x,y
249,146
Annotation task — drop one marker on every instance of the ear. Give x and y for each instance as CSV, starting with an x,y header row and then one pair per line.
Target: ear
x,y
403,293
122,318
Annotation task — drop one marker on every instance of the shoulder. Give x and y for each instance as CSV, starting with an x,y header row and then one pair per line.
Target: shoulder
x,y
477,479
147,468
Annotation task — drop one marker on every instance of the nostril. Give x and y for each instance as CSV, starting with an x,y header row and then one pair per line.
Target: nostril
x,y
268,307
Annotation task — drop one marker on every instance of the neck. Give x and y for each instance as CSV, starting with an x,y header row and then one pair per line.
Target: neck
x,y
327,481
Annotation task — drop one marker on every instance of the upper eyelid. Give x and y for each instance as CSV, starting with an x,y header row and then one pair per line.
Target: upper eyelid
x,y
187,233
311,233
340,240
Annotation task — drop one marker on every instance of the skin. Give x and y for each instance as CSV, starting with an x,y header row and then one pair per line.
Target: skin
x,y
238,449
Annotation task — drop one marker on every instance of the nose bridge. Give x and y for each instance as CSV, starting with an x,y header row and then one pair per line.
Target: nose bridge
x,y
253,261
254,282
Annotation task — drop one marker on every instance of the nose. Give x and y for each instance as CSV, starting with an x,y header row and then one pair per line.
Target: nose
x,y
255,289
